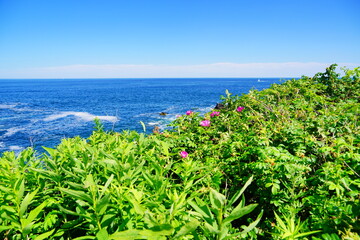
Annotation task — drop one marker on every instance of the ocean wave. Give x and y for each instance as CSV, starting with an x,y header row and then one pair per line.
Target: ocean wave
x,y
7,106
170,108
19,107
11,131
153,123
27,109
85,116
15,148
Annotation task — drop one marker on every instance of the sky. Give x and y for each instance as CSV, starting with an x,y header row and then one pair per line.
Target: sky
x,y
176,38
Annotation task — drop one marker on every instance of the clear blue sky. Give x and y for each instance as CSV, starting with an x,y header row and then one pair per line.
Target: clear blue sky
x,y
121,38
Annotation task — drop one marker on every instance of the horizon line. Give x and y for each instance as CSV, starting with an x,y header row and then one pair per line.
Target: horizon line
x,y
152,71
70,78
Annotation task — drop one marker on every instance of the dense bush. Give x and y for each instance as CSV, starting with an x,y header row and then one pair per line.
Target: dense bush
x,y
273,164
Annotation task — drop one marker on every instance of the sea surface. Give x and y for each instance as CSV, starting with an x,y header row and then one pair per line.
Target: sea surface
x,y
41,112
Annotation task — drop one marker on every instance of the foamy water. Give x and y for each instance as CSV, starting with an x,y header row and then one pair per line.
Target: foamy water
x,y
7,106
11,131
81,115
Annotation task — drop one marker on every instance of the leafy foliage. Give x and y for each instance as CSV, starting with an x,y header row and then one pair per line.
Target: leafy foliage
x,y
290,152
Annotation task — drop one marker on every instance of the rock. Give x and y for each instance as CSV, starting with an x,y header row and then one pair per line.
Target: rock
x,y
163,114
219,106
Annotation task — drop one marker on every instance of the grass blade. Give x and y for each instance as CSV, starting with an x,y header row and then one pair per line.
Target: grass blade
x,y
77,195
239,211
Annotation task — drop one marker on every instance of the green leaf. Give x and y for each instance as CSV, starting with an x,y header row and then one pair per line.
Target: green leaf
x,y
102,204
211,229
217,199
44,235
3,228
306,234
143,125
163,229
50,150
106,185
19,189
26,201
10,209
204,211
102,234
25,226
253,224
47,174
84,238
5,189
165,148
275,187
132,234
89,182
72,224
238,212
149,179
155,233
332,236
27,223
139,209
77,195
223,232
280,222
66,211
247,229
187,228
238,194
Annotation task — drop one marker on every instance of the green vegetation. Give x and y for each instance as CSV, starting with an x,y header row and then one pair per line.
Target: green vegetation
x,y
282,163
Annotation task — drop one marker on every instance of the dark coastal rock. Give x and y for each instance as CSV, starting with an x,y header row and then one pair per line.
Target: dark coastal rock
x,y
163,114
219,106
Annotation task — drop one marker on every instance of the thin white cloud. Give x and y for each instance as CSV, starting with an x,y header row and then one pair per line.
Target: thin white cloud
x,y
287,69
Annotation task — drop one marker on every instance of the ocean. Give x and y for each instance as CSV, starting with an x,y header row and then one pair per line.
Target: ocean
x,y
41,112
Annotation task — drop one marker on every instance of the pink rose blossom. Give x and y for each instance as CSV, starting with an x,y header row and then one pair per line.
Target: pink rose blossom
x,y
205,123
189,112
183,154
239,109
214,114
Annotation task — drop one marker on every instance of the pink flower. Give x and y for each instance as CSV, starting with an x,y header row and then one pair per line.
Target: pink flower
x,y
214,114
183,154
239,109
205,123
189,112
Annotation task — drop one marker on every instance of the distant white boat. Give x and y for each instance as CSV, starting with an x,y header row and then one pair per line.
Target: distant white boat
x,y
259,80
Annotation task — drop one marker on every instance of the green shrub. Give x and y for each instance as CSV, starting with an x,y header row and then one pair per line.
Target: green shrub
x,y
297,142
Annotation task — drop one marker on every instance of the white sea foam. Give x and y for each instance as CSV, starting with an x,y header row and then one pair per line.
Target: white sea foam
x,y
15,148
7,106
146,114
19,107
153,123
12,131
82,115
27,109
170,108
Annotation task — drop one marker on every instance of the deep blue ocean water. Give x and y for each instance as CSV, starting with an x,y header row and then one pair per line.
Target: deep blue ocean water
x,y
40,112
